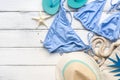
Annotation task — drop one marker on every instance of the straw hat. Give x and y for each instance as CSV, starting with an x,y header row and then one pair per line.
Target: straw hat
x,y
77,66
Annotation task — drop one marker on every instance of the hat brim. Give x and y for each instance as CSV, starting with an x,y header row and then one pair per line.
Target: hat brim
x,y
73,56
78,70
76,4
48,9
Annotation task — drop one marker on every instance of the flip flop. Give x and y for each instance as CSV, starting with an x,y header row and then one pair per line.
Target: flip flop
x,y
76,3
51,6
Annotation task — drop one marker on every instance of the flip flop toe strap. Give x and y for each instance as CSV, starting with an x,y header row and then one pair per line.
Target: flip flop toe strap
x,y
54,2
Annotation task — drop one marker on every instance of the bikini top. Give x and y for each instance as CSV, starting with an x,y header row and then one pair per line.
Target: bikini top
x,y
90,14
61,38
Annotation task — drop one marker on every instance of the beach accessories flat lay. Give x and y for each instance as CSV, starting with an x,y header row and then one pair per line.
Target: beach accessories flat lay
x,y
52,6
61,38
77,66
90,14
81,66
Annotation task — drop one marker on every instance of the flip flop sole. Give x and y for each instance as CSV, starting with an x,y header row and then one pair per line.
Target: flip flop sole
x,y
76,4
47,7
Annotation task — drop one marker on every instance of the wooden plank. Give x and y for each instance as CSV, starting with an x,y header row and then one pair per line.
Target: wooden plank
x,y
27,57
28,38
23,20
24,5
27,73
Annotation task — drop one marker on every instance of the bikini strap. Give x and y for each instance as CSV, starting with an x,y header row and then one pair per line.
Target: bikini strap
x,y
62,3
90,35
70,16
115,6
62,7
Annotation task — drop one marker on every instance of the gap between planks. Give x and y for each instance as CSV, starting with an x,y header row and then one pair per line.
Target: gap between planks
x,y
23,21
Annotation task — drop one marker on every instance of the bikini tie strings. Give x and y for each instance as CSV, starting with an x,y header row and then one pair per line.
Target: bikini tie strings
x,y
115,6
89,49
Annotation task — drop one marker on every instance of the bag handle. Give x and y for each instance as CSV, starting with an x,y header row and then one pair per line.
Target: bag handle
x,y
101,52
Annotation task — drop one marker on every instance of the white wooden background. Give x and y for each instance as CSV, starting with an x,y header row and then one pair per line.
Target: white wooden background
x,y
22,56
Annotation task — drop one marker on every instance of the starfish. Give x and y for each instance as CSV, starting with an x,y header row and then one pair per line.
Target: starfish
x,y
41,19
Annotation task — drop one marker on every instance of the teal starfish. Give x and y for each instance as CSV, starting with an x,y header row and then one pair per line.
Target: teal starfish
x,y
116,65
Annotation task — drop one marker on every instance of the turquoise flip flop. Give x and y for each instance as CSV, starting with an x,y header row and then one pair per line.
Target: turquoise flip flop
x,y
51,6
76,3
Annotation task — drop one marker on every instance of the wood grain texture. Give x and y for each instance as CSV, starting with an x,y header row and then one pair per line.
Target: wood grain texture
x,y
28,38
27,72
27,57
23,21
